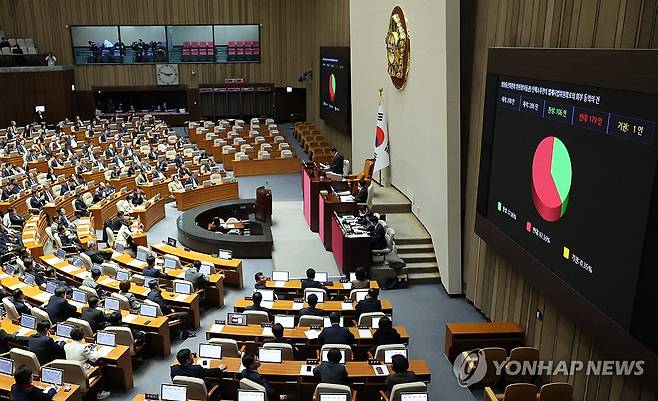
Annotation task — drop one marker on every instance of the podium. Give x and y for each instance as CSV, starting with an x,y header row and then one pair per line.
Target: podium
x,y
264,204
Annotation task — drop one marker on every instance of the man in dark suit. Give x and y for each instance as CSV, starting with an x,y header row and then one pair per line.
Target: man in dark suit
x,y
150,269
43,346
257,299
331,371
96,318
369,304
337,160
250,372
24,390
186,367
312,310
58,308
277,331
401,374
67,187
155,295
198,280
81,207
119,221
309,281
18,299
261,281
336,334
37,201
378,234
14,218
362,192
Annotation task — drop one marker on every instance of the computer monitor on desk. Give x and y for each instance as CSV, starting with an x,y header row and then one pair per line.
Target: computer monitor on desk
x,y
182,288
210,351
268,295
148,310
63,330
251,395
6,366
287,321
321,276
106,338
52,376
415,396
279,275
271,355
325,354
173,392
79,296
236,319
112,304
333,397
225,254
28,322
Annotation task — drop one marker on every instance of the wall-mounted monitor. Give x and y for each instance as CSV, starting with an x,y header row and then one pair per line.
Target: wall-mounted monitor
x,y
336,88
567,185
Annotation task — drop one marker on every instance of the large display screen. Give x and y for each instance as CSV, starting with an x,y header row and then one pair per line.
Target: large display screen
x,y
335,87
571,175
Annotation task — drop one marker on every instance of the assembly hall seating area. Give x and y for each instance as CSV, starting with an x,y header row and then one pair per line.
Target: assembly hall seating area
x,y
315,144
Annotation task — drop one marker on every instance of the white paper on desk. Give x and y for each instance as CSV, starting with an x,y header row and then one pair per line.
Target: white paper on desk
x,y
280,284
129,318
267,304
347,286
297,305
52,259
115,254
304,371
68,269
106,281
29,232
180,297
104,350
216,328
22,331
4,275
383,368
267,332
343,193
348,198
43,297
312,334
17,286
136,263
365,333
180,275
346,306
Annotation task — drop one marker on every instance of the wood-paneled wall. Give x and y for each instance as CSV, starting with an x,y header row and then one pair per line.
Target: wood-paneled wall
x,y
489,281
291,33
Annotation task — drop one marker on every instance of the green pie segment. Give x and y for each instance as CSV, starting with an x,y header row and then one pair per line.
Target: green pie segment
x,y
551,178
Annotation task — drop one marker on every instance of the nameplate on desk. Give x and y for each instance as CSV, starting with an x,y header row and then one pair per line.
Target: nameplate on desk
x,y
298,300
312,361
297,305
266,324
344,280
220,321
373,361
315,327
328,283
148,396
248,298
348,300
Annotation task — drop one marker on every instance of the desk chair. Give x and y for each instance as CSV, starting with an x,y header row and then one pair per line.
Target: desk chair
x,y
138,279
10,309
230,347
124,336
513,392
124,303
257,317
354,293
89,291
381,350
522,354
110,237
175,258
109,269
75,373
25,357
390,247
556,392
83,325
287,352
40,314
403,388
329,388
492,355
196,388
346,348
366,318
68,250
310,320
246,384
86,261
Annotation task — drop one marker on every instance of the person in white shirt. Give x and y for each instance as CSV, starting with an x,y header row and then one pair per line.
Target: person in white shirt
x,y
124,233
76,350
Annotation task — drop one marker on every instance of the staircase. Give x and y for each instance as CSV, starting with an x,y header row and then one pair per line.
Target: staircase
x,y
413,242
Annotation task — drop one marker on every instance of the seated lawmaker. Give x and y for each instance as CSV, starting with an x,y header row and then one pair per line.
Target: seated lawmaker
x,y
155,295
58,308
369,304
43,346
24,390
401,373
257,298
261,281
309,281
331,370
18,299
150,270
124,289
385,334
362,192
336,165
80,206
187,367
312,301
378,234
95,317
277,332
250,372
360,281
198,280
335,334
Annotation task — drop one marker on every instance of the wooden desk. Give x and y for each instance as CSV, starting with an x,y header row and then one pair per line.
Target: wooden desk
x,y
214,293
231,269
18,204
328,204
51,207
295,287
350,251
106,209
65,170
161,188
14,158
119,370
201,195
468,336
312,184
150,214
34,234
40,165
128,182
284,307
242,168
75,275
74,394
96,177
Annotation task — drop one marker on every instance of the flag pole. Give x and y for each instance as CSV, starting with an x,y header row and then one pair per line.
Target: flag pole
x,y
381,100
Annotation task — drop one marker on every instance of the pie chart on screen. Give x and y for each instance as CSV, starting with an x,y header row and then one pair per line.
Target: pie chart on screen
x,y
551,178
332,87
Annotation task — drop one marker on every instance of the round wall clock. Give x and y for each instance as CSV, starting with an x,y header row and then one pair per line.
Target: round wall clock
x,y
398,48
